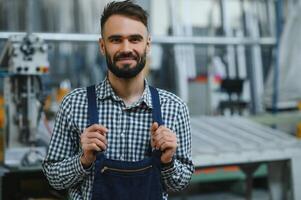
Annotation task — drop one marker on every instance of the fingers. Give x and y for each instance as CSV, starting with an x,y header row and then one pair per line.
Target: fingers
x,y
162,137
91,147
167,156
94,138
164,140
154,127
91,135
97,127
160,129
99,140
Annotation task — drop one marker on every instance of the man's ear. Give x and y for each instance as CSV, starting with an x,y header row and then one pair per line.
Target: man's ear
x,y
148,44
101,46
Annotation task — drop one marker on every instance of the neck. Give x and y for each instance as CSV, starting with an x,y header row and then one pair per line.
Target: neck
x,y
130,90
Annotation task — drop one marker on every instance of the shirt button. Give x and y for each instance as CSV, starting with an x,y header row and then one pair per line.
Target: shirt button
x,y
121,157
122,134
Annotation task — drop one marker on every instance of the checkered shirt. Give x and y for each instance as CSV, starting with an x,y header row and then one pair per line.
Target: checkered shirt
x,y
128,138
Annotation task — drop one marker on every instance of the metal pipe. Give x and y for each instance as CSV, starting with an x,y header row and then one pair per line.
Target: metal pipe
x,y
279,7
73,37
30,16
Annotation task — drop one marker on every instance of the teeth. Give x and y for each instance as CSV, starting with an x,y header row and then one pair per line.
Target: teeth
x,y
126,59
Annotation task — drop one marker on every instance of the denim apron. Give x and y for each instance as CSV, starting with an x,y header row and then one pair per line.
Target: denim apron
x,y
123,180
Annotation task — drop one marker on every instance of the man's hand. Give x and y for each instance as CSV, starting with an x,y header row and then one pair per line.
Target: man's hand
x,y
93,139
164,139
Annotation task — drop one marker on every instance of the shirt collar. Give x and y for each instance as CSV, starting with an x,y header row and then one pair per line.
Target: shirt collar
x,y
104,90
146,96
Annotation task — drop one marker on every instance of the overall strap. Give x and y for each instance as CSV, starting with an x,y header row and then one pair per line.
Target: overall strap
x,y
92,107
157,116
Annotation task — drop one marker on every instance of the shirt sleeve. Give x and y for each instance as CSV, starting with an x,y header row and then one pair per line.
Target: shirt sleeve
x,y
177,176
62,165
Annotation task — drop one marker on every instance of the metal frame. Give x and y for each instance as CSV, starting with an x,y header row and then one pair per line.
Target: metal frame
x,y
74,37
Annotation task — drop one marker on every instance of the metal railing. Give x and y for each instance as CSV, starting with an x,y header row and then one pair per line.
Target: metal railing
x,y
200,40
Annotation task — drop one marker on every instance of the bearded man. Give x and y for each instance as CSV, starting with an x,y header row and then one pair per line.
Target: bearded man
x,y
121,139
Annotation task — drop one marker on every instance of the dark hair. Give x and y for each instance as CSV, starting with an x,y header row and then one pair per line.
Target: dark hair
x,y
127,8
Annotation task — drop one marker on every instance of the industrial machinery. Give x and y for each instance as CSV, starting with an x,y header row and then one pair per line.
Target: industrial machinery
x,y
23,62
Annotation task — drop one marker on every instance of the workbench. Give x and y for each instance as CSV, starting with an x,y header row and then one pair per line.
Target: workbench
x,y
222,141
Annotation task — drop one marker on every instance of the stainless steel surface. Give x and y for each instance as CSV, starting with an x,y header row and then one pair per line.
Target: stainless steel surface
x,y
221,141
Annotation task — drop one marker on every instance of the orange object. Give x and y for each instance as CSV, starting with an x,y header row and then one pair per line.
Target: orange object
x,y
231,168
45,69
2,112
61,92
2,121
210,170
298,134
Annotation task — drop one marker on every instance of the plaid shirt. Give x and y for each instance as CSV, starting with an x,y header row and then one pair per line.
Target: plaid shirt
x,y
128,138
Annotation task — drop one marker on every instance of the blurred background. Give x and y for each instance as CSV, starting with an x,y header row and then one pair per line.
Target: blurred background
x,y
227,59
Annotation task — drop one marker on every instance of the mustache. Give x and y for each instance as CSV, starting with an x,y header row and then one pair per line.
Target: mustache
x,y
125,55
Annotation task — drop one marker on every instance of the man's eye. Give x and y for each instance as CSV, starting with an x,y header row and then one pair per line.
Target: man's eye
x,y
115,40
135,39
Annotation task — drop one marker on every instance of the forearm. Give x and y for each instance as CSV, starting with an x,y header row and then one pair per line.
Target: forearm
x,y
177,176
66,173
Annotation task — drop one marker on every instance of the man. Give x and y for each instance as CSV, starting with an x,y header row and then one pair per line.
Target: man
x,y
124,103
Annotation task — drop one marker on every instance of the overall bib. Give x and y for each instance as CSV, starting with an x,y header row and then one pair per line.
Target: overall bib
x,y
123,180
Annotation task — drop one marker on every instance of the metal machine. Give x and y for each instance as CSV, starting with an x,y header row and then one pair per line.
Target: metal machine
x,y
23,62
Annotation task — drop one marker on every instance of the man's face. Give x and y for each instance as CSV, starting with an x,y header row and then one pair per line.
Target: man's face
x,y
125,44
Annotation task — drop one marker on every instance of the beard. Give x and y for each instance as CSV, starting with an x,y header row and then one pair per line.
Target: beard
x,y
126,71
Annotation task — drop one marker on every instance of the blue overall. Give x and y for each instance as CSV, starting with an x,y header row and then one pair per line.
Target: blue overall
x,y
122,180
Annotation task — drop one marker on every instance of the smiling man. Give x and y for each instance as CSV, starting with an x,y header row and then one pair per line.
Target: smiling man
x,y
121,139
128,49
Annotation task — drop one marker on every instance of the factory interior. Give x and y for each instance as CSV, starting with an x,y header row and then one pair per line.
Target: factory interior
x,y
233,62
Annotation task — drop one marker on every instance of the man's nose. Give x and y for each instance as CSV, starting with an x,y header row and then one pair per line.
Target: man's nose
x,y
126,47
